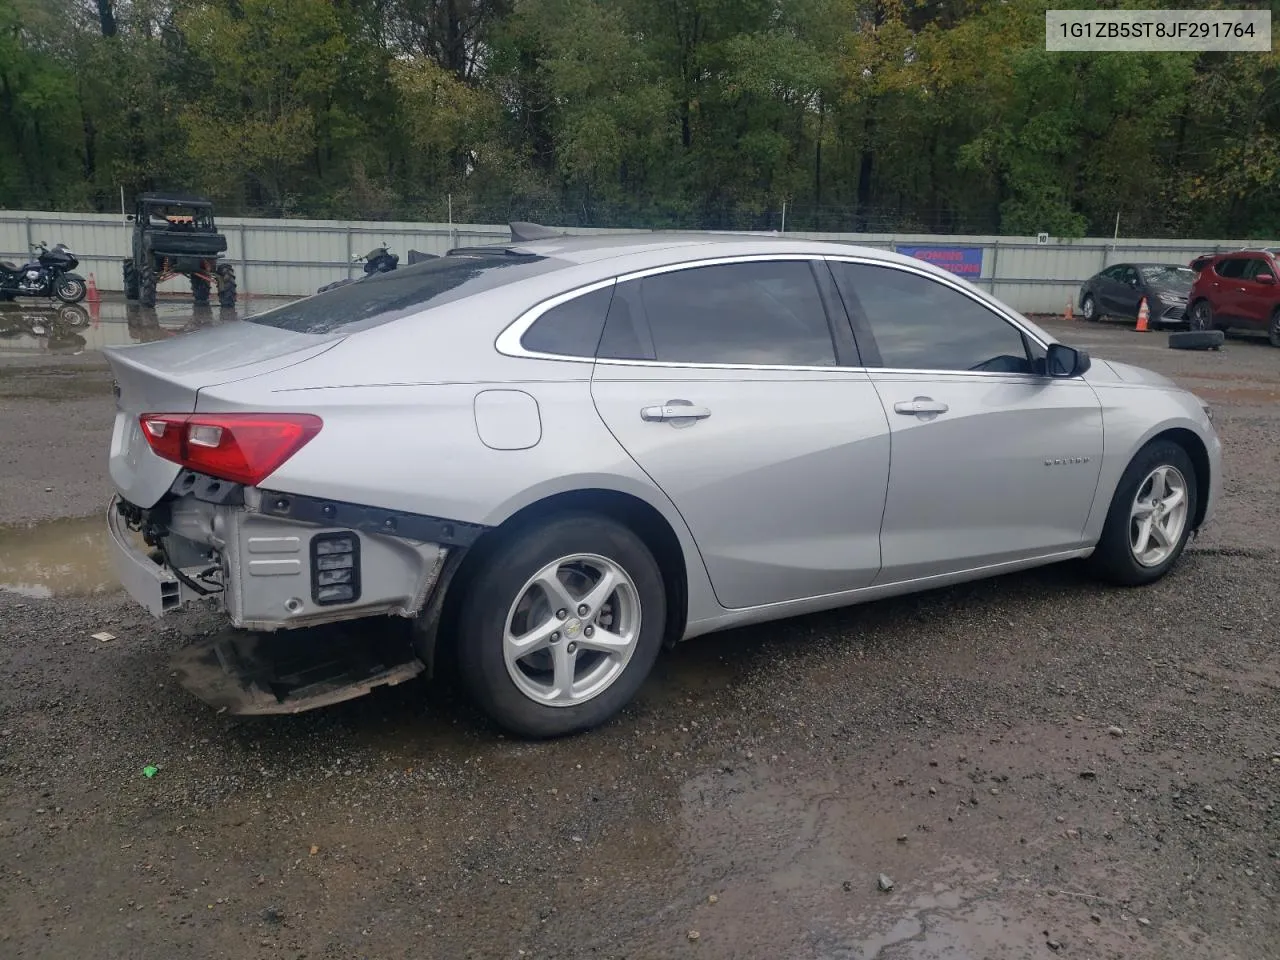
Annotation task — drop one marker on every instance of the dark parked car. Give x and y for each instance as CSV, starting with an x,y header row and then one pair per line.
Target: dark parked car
x,y
1237,289
1118,290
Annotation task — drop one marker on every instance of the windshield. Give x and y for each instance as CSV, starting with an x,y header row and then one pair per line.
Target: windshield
x,y
1169,275
388,296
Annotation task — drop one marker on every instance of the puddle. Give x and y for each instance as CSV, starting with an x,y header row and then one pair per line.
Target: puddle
x,y
59,558
39,328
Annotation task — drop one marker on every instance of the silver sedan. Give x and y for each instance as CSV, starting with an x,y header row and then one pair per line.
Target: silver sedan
x,y
556,456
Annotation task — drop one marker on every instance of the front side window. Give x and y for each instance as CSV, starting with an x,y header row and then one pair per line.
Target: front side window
x,y
921,324
1254,266
760,313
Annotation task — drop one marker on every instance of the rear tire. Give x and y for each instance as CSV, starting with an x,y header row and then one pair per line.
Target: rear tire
x,y
226,275
1273,330
130,280
147,284
199,289
1118,557
501,605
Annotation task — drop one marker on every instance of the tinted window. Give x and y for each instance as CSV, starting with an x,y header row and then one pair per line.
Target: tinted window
x,y
1232,267
385,297
626,336
1254,266
572,328
759,313
920,324
1113,273
1129,275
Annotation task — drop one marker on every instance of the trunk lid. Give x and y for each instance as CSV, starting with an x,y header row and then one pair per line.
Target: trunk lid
x,y
167,376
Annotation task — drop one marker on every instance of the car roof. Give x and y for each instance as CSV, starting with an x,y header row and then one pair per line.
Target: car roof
x,y
643,249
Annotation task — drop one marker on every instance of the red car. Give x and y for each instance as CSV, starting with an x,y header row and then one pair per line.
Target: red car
x,y
1238,289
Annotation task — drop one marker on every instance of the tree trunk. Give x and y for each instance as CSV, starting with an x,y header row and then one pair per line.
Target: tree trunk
x,y
866,166
107,18
817,158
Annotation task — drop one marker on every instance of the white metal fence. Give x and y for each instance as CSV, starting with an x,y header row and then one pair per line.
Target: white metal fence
x,y
294,257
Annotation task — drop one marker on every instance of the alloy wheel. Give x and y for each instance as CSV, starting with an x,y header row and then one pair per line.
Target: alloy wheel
x,y
572,630
1158,516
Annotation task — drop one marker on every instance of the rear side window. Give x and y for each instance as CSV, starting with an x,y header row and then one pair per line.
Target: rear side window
x,y
572,328
388,296
1231,268
760,313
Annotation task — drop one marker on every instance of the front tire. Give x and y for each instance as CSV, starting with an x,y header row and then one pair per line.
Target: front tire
x,y
1089,308
1200,316
70,290
147,284
1150,518
226,275
1273,330
130,280
561,625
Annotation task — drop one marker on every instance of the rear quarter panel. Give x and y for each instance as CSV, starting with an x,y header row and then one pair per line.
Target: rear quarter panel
x,y
399,410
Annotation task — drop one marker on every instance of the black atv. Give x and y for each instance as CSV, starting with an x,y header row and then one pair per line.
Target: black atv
x,y
175,234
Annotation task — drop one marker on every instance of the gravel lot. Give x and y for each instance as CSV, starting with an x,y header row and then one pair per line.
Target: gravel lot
x,y
1036,766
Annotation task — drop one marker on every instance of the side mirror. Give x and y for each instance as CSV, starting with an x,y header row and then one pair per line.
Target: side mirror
x,y
130,218
1063,361
1265,278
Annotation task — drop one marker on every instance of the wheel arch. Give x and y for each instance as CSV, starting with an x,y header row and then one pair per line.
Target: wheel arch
x,y
683,573
1196,450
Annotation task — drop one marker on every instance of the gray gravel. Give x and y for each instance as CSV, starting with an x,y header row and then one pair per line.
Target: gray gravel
x,y
753,795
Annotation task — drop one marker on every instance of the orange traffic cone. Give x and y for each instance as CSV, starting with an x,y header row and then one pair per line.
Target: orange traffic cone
x,y
1069,314
1144,317
93,296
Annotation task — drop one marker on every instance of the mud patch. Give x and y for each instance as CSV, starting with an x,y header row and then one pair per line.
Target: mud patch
x,y
60,558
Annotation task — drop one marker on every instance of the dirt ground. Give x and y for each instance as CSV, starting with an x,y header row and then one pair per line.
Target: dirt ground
x,y
1037,765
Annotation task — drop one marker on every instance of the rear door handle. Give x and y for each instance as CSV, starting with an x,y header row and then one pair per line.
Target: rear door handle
x,y
919,405
673,410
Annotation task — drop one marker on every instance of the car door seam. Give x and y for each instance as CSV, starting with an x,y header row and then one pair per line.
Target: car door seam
x,y
591,392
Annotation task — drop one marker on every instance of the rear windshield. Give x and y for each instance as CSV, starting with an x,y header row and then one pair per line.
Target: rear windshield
x,y
388,296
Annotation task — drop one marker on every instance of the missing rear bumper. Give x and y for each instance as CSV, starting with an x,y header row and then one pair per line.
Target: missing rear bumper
x,y
255,673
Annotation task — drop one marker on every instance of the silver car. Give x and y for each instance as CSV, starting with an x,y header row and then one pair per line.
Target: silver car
x,y
557,456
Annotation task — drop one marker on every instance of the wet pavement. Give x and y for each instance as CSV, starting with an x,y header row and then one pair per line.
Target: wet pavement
x,y
1040,767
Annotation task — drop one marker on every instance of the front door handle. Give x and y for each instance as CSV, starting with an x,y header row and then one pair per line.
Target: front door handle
x,y
673,410
920,405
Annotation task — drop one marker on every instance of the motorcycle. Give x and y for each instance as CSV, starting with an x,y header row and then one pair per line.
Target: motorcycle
x,y
378,260
48,275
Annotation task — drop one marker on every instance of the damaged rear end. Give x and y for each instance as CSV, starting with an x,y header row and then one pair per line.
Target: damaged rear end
x,y
195,516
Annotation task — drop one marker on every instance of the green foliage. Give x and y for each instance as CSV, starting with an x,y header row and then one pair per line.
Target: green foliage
x,y
929,115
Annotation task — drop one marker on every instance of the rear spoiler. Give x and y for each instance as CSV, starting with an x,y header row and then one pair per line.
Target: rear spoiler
x,y
521,232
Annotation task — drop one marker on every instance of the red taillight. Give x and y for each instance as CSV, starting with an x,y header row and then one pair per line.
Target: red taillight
x,y
243,447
